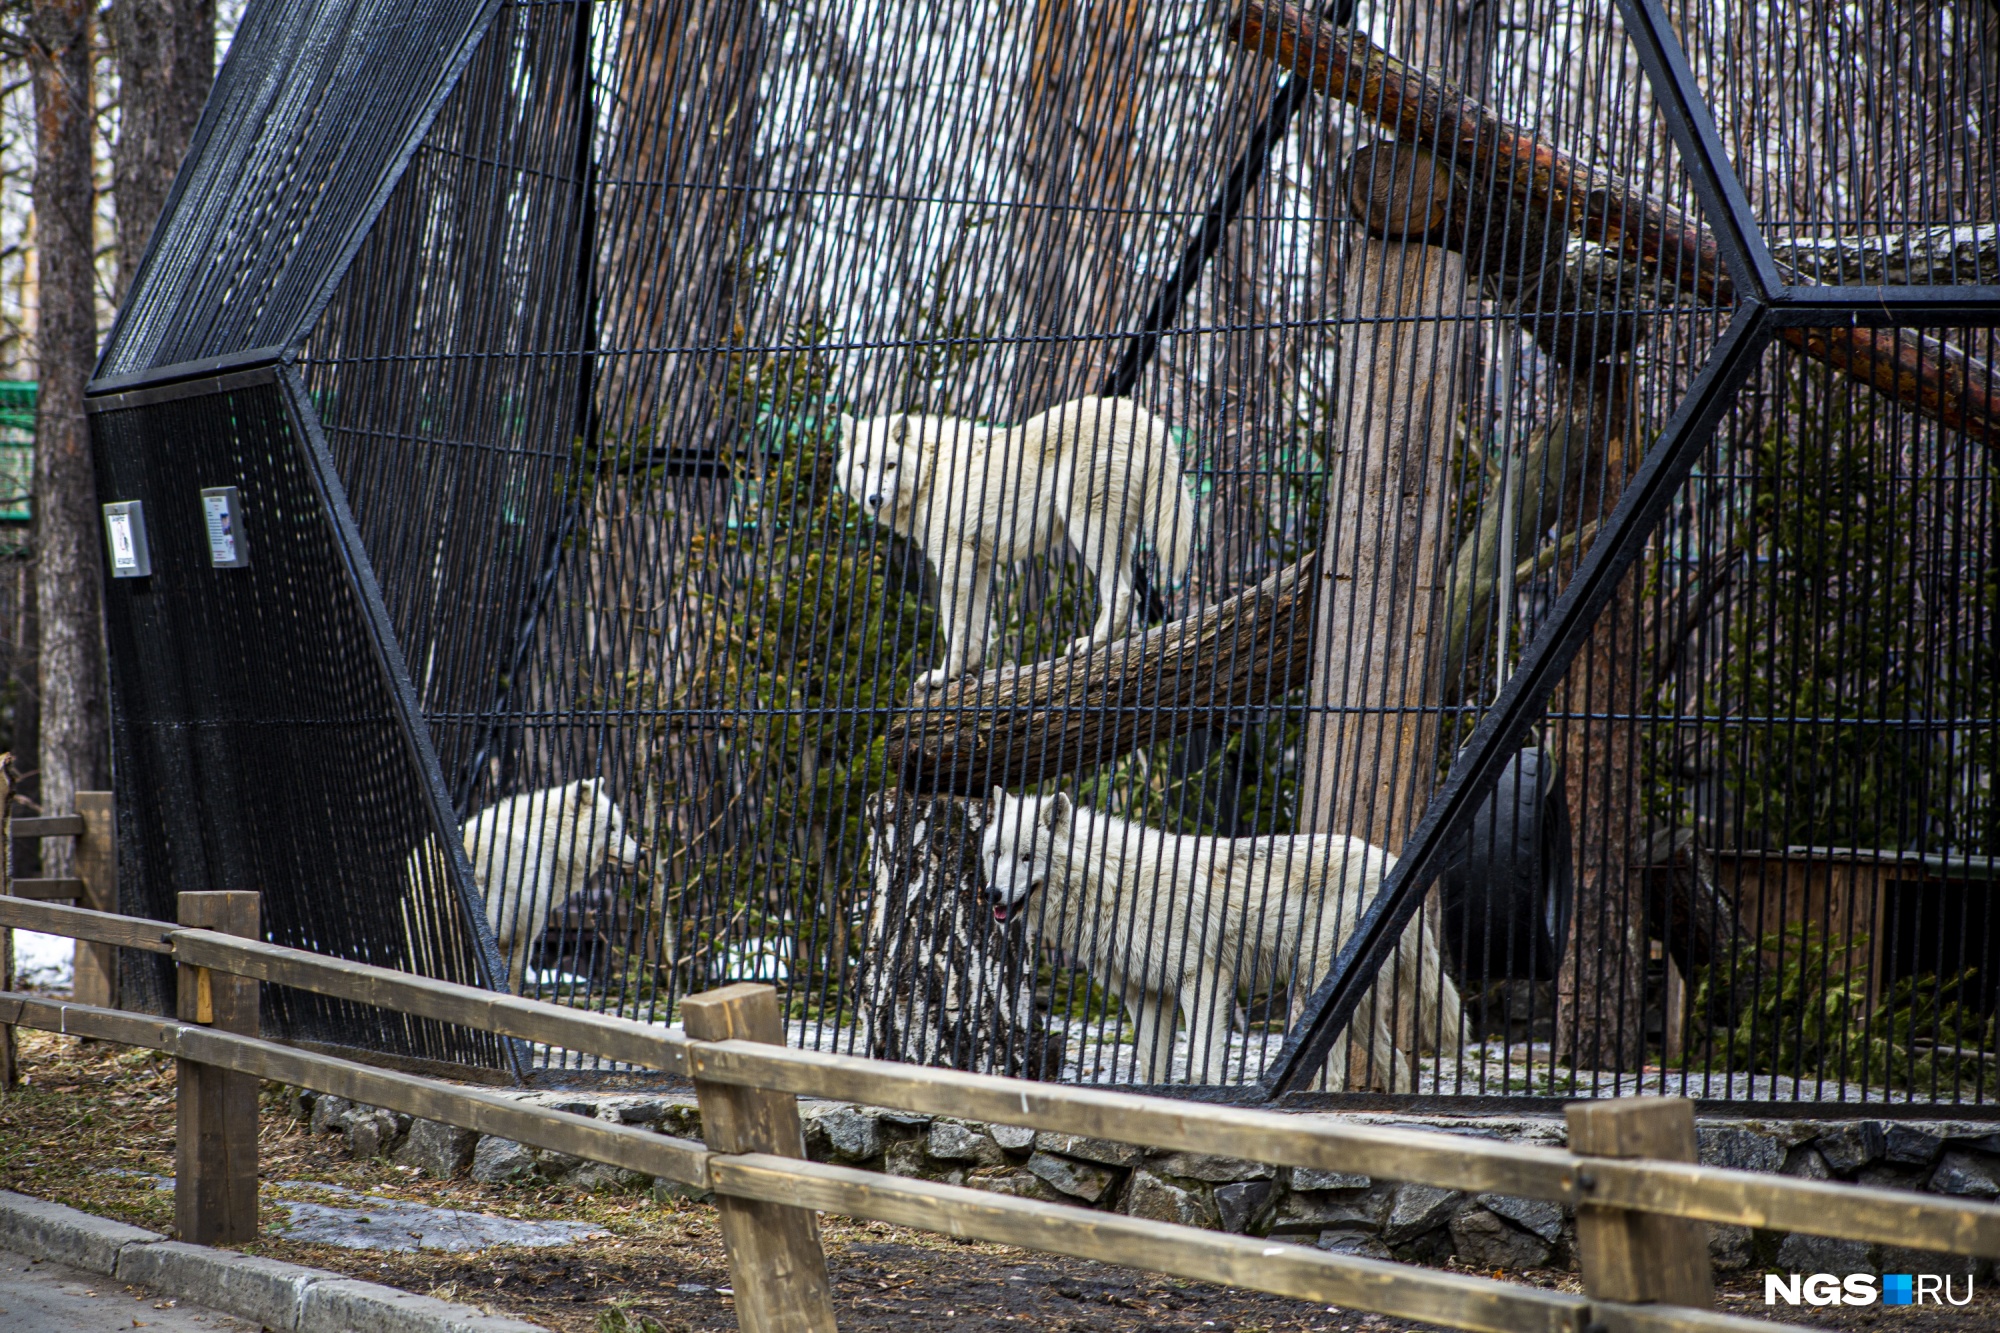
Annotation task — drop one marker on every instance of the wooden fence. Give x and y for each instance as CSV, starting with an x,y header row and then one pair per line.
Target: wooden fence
x,y
1630,1173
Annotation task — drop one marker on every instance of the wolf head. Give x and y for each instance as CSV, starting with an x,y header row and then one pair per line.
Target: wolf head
x,y
596,824
880,464
1019,847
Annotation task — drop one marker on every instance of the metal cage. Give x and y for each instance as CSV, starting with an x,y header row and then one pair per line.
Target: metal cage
x,y
1464,538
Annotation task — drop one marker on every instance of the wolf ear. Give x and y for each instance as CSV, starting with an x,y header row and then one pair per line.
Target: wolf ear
x,y
999,797
1056,812
900,432
847,426
586,791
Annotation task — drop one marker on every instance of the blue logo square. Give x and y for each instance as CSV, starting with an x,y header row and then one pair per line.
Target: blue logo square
x,y
1896,1289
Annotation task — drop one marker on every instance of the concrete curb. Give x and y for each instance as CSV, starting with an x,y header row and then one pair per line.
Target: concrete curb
x,y
286,1297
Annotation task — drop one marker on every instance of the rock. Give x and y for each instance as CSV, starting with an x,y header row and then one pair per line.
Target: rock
x,y
1896,1259
1965,1175
438,1149
1079,1179
1729,1247
301,1100
1540,1216
1357,1243
372,1132
644,1111
1417,1209
852,1133
905,1119
1850,1146
1013,1138
906,1157
582,1106
1102,1151
1739,1149
1013,1182
1800,1253
681,1119
1977,1143
1483,1239
1317,1212
669,1191
329,1114
555,1166
1237,1205
596,1177
1909,1145
1886,1176
956,1141
1312,1178
1164,1200
1215,1170
1807,1164
498,1161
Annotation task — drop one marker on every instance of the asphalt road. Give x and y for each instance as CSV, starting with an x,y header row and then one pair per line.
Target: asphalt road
x,y
49,1298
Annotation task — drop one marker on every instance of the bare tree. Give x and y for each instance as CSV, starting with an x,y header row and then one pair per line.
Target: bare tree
x,y
75,721
165,51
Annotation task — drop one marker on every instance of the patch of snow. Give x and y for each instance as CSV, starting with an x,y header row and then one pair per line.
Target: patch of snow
x,y
44,962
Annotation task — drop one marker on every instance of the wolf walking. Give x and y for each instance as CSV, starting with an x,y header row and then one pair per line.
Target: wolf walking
x,y
1170,922
1095,473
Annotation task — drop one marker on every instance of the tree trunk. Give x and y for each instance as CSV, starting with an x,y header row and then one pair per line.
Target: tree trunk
x,y
1370,753
166,62
941,982
75,732
1077,160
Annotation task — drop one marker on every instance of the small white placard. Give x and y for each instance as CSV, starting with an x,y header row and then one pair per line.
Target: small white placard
x,y
125,536
222,510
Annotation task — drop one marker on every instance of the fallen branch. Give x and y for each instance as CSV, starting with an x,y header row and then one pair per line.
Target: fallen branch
x,y
1026,724
1424,111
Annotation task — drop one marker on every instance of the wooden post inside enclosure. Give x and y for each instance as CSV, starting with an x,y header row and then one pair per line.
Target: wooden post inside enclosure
x,y
215,1173
1633,1256
97,866
1372,737
775,1257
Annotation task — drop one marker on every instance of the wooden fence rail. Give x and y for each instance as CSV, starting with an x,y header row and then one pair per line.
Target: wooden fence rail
x,y
1642,1251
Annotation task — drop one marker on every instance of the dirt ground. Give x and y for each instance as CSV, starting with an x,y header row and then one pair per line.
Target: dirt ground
x,y
93,1127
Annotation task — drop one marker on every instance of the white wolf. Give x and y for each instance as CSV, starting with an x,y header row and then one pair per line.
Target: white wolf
x,y
1181,922
529,854
1094,472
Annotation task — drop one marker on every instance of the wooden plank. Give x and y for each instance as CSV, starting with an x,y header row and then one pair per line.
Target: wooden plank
x,y
48,890
96,863
215,1156
1627,1255
1298,1271
47,826
478,1109
774,1249
1448,1160
607,1035
1783,1203
80,923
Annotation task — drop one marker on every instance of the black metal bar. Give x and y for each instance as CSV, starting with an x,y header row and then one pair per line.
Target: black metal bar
x,y
1887,307
1737,234
588,423
1644,501
396,673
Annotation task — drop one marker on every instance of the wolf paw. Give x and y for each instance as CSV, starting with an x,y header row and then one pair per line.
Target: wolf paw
x,y
1078,647
933,679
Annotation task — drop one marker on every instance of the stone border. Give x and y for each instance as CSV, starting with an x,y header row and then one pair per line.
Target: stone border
x,y
286,1297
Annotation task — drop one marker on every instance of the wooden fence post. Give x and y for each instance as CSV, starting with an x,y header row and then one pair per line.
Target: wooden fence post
x,y
8,1072
97,866
775,1258
1628,1255
215,1180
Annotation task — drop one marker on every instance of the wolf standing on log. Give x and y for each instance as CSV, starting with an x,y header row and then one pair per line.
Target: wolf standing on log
x,y
1094,472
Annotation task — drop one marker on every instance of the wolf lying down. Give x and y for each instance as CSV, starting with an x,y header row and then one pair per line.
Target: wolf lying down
x,y
1181,922
1094,473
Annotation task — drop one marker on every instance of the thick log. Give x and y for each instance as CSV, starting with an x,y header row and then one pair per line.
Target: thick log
x,y
1030,723
1936,379
942,983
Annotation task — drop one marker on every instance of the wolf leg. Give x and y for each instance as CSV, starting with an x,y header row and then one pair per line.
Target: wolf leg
x,y
1208,1005
1152,1031
962,605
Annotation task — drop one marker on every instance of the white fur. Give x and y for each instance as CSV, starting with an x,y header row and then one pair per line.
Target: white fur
x,y
530,854
1171,922
1094,473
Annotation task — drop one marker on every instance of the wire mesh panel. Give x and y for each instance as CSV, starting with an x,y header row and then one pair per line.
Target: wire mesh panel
x,y
254,699
1388,550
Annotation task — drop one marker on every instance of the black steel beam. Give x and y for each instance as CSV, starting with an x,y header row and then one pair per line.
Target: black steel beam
x,y
1887,307
1523,699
